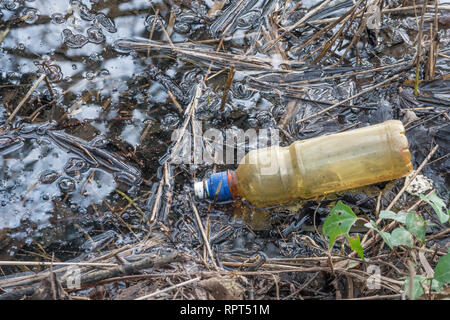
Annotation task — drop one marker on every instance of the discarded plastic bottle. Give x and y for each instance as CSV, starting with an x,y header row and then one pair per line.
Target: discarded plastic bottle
x,y
314,167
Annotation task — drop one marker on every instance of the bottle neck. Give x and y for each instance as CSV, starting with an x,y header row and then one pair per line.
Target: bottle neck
x,y
220,186
232,183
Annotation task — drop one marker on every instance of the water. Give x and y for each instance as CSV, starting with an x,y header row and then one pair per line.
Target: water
x,y
103,122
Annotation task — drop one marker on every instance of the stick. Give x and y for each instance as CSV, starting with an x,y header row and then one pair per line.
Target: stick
x,y
379,297
46,264
351,98
202,230
25,280
364,241
419,48
129,268
408,181
21,103
297,24
157,292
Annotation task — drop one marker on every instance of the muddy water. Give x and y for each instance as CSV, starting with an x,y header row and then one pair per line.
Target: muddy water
x,y
99,131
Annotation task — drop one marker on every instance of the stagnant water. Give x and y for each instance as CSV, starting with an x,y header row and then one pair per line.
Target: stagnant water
x,y
99,130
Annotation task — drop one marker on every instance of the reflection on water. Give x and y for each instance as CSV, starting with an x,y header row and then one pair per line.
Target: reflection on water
x,y
97,127
47,177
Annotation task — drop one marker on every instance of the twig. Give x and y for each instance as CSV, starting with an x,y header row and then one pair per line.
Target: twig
x,y
438,235
414,206
3,34
297,24
412,274
351,98
132,202
175,102
408,181
17,294
25,280
419,48
129,268
202,230
150,37
379,297
46,264
157,292
227,89
22,102
364,241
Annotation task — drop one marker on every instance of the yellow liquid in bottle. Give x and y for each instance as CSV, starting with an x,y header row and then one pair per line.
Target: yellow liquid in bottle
x,y
318,166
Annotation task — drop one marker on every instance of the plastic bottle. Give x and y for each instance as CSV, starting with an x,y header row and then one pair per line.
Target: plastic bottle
x,y
314,167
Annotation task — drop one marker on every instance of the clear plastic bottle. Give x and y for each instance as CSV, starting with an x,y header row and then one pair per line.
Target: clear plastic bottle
x,y
314,167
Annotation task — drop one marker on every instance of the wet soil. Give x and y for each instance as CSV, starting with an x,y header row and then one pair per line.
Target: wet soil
x,y
84,163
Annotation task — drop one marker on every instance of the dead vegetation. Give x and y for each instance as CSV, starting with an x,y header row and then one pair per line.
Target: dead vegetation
x,y
290,51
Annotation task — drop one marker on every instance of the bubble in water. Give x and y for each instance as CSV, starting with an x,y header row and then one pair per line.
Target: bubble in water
x,y
74,67
95,57
75,166
122,46
191,77
186,22
30,15
10,5
48,176
85,14
248,20
95,35
182,27
240,91
74,40
90,75
99,142
103,73
53,73
66,184
58,18
158,24
106,22
170,121
21,47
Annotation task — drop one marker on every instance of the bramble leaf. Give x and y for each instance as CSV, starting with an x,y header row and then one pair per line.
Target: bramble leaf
x,y
416,225
355,244
417,287
400,217
438,206
385,235
401,236
442,270
338,222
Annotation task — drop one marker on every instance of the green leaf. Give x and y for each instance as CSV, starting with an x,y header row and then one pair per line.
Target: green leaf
x,y
442,270
435,285
385,235
338,222
416,225
419,283
355,244
400,237
417,287
437,204
400,217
